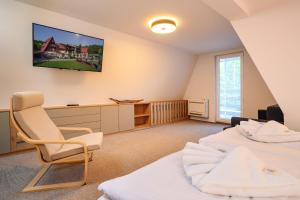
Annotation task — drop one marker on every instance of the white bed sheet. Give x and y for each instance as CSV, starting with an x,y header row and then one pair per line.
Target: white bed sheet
x,y
165,178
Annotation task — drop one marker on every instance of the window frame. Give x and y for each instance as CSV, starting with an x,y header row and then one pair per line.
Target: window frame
x,y
217,83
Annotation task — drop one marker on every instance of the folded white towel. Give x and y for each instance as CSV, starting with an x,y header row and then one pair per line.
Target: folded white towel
x,y
273,128
194,152
276,138
220,147
272,132
197,178
237,173
242,174
191,160
200,154
195,169
252,122
199,159
249,128
202,147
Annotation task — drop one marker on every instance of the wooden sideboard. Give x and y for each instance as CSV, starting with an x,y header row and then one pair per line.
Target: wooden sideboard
x,y
107,118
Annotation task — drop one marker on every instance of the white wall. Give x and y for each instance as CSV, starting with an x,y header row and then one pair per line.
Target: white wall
x,y
202,85
272,38
132,67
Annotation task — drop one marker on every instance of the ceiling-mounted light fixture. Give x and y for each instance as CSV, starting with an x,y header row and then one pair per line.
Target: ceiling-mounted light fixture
x,y
163,25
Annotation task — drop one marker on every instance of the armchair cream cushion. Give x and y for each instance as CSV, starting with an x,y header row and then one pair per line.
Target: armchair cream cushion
x,y
92,140
36,124
24,100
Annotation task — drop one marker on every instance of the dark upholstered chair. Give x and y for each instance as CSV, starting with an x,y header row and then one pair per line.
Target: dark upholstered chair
x,y
271,113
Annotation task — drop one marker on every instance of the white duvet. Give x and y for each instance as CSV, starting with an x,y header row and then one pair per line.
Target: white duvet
x,y
165,178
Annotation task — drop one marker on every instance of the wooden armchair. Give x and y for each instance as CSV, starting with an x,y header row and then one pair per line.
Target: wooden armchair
x,y
35,127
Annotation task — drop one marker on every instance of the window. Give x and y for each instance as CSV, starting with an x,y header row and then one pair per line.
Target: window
x,y
229,86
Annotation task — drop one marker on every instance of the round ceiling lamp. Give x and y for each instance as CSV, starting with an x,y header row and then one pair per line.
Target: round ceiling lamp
x,y
163,26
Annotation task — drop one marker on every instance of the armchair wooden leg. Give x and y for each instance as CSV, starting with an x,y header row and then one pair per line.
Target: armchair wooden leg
x,y
86,162
91,156
31,187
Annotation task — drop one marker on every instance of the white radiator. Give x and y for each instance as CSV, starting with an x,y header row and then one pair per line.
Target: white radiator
x,y
198,109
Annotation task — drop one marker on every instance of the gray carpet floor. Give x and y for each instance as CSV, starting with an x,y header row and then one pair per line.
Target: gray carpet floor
x,y
121,153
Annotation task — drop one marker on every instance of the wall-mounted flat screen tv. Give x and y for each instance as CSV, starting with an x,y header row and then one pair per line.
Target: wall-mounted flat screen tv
x,y
56,48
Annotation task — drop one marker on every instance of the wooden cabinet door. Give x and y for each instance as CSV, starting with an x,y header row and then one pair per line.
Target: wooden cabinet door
x,y
126,117
110,119
81,116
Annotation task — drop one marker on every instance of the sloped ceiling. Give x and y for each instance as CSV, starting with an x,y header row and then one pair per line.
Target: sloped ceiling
x,y
237,9
270,33
254,6
200,28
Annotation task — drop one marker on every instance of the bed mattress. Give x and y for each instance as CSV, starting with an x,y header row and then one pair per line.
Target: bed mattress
x,y
165,179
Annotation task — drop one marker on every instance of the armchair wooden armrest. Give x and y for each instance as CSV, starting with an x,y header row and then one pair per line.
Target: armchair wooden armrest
x,y
88,130
31,186
40,142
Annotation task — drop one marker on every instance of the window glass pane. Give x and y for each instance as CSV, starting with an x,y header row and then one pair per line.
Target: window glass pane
x,y
229,87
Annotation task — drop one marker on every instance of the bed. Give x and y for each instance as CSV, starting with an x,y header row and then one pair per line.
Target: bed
x,y
165,179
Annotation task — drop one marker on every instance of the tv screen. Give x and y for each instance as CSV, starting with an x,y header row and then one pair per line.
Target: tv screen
x,y
56,48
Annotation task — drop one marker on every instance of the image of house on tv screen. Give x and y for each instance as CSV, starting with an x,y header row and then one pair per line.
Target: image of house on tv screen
x,y
56,48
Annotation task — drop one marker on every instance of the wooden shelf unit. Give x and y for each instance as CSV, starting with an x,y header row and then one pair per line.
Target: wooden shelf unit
x,y
142,115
